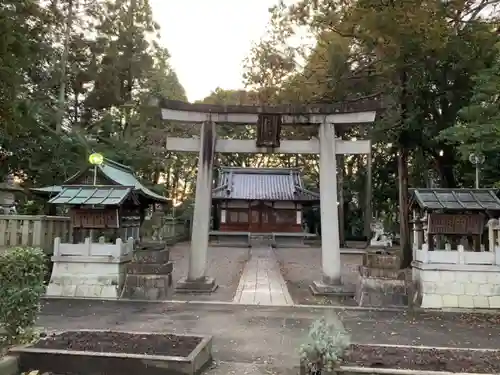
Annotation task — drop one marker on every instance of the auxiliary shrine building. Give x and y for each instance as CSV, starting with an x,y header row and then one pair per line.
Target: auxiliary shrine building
x,y
260,200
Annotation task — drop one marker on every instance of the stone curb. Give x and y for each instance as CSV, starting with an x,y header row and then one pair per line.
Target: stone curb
x,y
298,306
9,365
426,347
355,370
393,371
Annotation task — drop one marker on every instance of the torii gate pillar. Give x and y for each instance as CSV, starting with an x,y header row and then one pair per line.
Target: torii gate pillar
x,y
196,280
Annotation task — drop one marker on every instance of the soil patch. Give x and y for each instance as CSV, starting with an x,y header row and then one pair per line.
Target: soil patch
x,y
121,342
225,264
458,360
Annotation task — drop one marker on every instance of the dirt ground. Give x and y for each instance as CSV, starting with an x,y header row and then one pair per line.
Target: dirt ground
x,y
301,266
257,340
225,264
424,359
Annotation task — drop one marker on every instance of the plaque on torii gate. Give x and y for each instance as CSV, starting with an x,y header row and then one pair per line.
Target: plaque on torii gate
x,y
268,130
269,121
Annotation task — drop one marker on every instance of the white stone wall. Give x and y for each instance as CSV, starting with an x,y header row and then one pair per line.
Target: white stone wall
x,y
89,270
457,285
71,278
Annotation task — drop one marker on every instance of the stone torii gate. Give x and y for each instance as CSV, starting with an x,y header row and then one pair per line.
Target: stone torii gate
x,y
269,121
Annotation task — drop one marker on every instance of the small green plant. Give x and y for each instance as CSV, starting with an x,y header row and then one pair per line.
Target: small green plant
x,y
324,347
22,273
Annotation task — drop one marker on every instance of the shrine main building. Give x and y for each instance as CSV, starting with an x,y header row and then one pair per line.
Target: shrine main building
x,y
260,200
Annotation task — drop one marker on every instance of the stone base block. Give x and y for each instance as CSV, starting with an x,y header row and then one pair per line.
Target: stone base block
x,y
149,268
203,285
381,260
319,288
78,276
381,292
148,287
151,256
465,286
83,290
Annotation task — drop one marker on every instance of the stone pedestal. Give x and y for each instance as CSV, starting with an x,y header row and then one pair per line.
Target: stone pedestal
x,y
89,270
149,275
326,288
381,283
201,285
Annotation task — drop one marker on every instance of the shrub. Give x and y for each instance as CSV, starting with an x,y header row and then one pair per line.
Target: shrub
x,y
22,272
324,347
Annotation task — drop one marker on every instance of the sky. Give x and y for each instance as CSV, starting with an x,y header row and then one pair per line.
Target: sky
x,y
209,39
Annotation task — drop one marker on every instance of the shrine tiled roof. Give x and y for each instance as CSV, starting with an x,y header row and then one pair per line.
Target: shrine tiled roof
x,y
456,199
273,184
89,195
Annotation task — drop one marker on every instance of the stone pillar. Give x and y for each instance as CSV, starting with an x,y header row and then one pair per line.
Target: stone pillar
x,y
197,280
330,243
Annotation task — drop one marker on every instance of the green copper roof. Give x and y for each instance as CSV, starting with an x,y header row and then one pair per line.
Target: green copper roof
x,y
99,195
116,172
124,175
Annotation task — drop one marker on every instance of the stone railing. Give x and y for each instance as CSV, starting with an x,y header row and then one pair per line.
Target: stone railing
x,y
92,249
33,230
459,256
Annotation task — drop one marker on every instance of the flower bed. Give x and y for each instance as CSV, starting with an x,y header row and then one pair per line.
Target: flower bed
x,y
120,353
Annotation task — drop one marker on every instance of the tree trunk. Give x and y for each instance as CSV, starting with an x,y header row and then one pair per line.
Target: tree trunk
x,y
340,206
445,166
368,199
64,62
404,225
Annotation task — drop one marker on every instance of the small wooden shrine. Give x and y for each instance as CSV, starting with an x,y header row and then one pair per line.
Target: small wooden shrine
x,y
105,200
442,218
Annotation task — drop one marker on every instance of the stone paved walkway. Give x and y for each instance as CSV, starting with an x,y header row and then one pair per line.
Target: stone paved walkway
x,y
261,282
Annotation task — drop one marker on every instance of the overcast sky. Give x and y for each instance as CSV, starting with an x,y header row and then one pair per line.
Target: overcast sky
x,y
208,39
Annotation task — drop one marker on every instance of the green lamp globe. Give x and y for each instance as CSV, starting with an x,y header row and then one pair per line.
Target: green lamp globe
x,y
96,159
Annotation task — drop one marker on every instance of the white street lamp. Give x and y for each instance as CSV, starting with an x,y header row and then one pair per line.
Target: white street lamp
x,y
476,160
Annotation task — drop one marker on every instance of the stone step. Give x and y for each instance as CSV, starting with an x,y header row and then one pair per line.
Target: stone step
x,y
134,268
151,245
148,287
151,256
383,260
377,292
383,273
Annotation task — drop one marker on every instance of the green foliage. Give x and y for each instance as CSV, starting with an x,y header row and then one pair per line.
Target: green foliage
x,y
478,129
22,273
101,64
324,347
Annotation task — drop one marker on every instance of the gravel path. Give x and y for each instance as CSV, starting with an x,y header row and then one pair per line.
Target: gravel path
x,y
301,266
225,264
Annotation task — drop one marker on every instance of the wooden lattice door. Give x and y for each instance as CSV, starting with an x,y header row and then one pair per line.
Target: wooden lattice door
x,y
262,219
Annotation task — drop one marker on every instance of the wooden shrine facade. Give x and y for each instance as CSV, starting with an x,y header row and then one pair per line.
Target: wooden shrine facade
x,y
104,200
260,200
449,216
